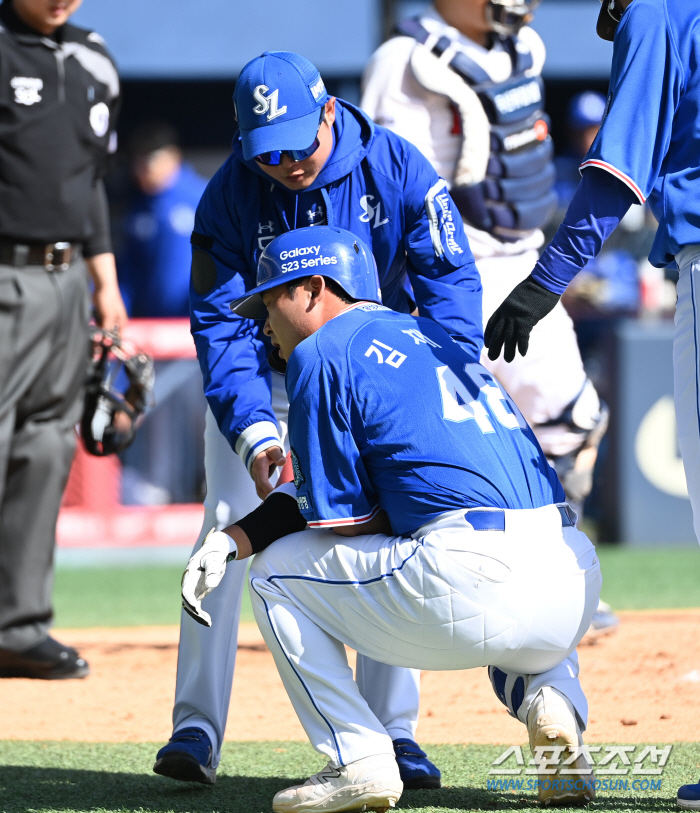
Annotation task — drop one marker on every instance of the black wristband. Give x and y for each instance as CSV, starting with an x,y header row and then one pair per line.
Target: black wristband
x,y
278,516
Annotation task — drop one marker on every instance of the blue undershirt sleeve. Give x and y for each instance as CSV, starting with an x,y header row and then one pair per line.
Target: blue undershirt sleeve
x,y
599,203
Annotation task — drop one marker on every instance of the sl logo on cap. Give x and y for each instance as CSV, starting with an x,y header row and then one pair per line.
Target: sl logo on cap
x,y
266,103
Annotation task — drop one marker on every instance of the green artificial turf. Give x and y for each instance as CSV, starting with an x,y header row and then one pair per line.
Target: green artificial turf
x,y
122,596
150,594
65,777
643,579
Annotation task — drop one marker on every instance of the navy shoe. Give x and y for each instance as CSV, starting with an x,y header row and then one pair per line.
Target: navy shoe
x,y
187,757
416,770
689,797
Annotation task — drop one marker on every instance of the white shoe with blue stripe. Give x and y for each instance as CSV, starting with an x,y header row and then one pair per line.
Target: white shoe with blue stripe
x,y
372,783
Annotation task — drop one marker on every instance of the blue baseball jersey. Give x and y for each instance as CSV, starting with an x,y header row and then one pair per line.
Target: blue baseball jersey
x,y
650,135
387,411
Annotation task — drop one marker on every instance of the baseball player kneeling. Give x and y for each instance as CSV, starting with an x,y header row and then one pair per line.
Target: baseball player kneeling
x,y
424,528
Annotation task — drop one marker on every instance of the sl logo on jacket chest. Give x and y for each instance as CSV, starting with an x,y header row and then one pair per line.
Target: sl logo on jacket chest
x,y
372,212
269,102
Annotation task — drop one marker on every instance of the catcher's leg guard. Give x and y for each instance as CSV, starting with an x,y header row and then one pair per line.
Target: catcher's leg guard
x,y
587,416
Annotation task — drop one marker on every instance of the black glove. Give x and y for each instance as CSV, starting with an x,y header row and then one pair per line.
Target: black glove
x,y
511,323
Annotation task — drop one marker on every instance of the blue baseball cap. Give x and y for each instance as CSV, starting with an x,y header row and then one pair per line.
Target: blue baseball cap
x,y
278,97
586,109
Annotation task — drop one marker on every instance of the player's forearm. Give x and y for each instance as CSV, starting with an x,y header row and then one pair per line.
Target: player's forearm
x,y
278,516
240,537
598,205
238,391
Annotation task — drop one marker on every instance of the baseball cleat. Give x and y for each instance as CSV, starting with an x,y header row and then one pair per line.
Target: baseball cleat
x,y
372,783
187,757
689,797
48,660
554,735
416,770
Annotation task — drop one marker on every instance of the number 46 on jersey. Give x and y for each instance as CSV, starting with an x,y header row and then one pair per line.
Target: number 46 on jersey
x,y
492,403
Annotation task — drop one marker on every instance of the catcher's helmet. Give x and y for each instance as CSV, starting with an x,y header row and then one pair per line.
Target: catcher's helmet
x,y
507,17
109,417
326,250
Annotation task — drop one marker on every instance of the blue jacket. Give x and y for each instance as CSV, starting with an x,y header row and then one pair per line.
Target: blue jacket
x,y
374,184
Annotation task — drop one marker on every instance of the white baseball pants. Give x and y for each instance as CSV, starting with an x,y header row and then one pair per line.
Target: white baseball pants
x,y
686,372
453,598
207,656
545,381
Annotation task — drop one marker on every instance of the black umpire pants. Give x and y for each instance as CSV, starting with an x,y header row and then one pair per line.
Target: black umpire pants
x,y
43,356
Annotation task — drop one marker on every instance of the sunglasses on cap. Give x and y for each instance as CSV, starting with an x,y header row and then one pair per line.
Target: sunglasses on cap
x,y
274,158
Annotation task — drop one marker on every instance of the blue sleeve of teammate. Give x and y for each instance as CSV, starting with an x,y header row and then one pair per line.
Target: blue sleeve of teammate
x,y
646,81
598,205
441,267
333,488
230,349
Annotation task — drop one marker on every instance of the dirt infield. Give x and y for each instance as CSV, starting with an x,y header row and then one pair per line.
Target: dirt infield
x,y
643,685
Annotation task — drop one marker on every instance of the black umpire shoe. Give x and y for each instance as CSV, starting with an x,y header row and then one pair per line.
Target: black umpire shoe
x,y
48,660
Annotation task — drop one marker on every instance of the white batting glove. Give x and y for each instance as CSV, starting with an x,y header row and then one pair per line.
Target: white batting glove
x,y
204,571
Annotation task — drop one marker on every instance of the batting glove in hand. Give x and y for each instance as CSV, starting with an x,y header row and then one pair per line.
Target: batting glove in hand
x,y
204,571
511,323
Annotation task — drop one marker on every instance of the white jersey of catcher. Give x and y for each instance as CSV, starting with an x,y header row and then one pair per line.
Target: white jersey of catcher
x,y
394,98
551,377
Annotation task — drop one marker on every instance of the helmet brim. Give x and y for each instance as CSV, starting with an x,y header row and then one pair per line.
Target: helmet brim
x,y
251,306
606,26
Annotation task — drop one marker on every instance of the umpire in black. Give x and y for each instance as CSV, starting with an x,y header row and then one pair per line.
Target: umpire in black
x,y
59,93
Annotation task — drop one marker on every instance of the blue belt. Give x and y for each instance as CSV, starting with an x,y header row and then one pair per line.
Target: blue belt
x,y
494,519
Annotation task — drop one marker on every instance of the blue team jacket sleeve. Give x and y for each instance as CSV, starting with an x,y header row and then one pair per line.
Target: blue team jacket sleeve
x,y
441,267
230,349
646,81
333,487
598,205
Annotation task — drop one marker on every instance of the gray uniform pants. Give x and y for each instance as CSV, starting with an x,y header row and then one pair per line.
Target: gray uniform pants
x,y
43,358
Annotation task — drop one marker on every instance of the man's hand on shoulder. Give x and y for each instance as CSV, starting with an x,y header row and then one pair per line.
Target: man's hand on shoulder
x,y
511,323
263,468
